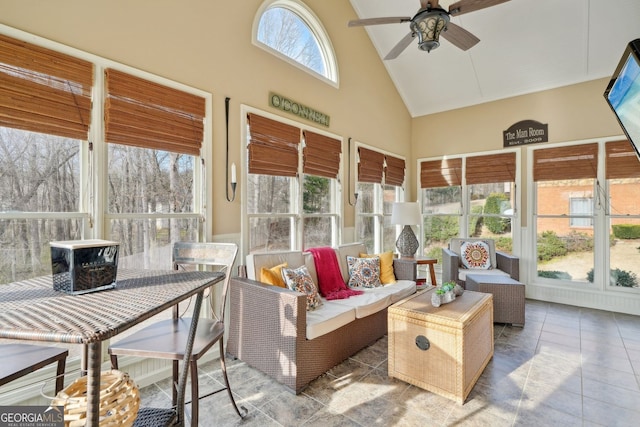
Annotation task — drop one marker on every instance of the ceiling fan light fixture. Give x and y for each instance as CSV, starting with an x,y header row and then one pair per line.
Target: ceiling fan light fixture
x,y
427,25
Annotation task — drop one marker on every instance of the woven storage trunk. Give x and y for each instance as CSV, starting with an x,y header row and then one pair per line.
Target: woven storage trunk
x,y
119,400
441,349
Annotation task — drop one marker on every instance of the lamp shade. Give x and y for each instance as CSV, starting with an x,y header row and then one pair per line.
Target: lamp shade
x,y
406,213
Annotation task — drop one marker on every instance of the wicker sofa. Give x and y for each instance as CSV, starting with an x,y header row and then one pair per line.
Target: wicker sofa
x,y
271,330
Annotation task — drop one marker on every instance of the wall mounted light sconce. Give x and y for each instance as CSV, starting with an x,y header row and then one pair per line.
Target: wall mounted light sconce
x,y
234,180
349,179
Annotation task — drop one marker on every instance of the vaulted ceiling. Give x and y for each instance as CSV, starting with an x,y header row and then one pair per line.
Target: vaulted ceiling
x,y
525,46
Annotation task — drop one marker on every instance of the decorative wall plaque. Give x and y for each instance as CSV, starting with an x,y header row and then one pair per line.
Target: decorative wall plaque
x,y
525,132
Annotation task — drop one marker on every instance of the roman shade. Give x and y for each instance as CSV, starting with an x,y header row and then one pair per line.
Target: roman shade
x,y
491,168
394,171
44,91
273,147
570,162
321,155
145,114
441,173
621,161
370,165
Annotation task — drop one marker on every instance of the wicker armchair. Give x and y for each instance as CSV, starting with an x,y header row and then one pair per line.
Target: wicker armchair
x,y
454,271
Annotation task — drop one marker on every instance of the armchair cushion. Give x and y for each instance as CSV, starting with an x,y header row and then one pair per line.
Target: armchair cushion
x,y
475,255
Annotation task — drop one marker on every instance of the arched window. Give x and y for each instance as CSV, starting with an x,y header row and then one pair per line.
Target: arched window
x,y
291,31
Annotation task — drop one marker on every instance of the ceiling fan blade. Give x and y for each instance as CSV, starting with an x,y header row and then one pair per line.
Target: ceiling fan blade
x,y
466,6
459,37
400,47
378,21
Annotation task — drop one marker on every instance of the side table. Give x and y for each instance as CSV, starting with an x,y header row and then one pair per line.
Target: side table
x,y
431,262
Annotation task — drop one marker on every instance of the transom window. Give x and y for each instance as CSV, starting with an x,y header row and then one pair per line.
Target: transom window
x,y
291,31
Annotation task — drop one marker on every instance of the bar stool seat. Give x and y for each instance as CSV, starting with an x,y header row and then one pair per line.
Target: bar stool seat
x,y
18,360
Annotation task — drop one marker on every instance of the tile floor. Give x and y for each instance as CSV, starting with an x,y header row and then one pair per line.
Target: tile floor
x,y
568,366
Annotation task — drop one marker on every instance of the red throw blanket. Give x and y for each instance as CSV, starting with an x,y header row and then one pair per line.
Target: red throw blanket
x,y
330,279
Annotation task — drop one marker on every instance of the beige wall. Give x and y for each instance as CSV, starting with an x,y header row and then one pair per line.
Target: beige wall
x,y
207,44
573,113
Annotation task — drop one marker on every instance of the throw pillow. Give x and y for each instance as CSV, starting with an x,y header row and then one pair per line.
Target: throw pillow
x,y
273,275
475,255
300,280
364,272
387,275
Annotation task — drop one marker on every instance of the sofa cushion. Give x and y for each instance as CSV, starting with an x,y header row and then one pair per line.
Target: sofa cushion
x,y
462,272
327,318
475,255
256,261
397,291
350,249
386,266
273,275
368,303
364,272
299,280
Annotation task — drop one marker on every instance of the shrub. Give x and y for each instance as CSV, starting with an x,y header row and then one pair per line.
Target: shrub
x,y
554,274
441,228
550,246
578,242
504,244
475,221
624,278
626,231
492,206
435,252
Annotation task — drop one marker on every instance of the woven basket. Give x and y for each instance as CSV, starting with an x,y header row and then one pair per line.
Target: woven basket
x,y
119,400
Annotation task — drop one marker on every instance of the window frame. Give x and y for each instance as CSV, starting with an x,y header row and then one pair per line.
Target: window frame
x,y
380,217
296,215
313,23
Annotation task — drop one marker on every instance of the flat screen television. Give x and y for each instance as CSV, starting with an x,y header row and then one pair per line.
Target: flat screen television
x,y
623,93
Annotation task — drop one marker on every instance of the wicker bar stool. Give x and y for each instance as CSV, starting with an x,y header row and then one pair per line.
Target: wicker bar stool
x,y
18,360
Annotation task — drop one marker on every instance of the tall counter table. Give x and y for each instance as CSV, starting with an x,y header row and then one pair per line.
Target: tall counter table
x,y
31,310
441,349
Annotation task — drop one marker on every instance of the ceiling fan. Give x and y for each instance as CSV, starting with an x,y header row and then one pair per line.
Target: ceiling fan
x,y
430,22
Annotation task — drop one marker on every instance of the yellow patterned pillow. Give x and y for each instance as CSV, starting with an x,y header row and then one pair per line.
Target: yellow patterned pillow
x,y
386,266
273,275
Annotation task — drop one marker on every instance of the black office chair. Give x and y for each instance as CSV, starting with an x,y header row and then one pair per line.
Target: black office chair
x,y
18,360
167,339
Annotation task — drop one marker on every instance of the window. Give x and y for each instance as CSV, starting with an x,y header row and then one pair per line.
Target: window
x,y
291,31
44,129
581,211
380,179
623,215
560,175
441,195
470,196
154,135
293,192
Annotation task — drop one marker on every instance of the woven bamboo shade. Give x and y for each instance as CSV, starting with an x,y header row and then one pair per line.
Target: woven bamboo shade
x,y
441,173
394,171
370,165
491,168
571,162
44,91
145,114
273,147
321,155
621,161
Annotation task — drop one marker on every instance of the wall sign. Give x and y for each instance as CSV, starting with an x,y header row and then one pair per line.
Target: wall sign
x,y
300,110
525,132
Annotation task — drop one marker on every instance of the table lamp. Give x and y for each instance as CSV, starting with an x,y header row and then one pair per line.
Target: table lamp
x,y
407,214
